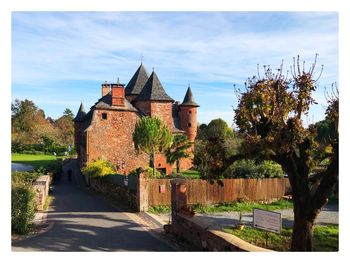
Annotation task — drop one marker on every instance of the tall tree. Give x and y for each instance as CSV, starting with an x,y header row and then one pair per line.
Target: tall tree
x,y
66,127
151,136
214,145
269,116
178,149
68,113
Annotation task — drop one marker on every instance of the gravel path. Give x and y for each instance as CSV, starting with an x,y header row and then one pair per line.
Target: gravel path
x,y
328,215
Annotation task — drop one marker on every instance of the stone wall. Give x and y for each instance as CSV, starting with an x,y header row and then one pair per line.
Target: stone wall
x,y
41,188
122,195
200,234
111,139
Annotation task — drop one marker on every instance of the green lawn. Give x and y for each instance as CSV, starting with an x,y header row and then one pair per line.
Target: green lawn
x,y
326,237
244,206
36,160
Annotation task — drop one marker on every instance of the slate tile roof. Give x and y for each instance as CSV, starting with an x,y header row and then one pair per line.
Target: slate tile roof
x,y
153,90
137,81
188,100
80,114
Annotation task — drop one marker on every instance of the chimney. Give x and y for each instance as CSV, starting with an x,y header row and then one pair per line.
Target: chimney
x,y
118,95
106,88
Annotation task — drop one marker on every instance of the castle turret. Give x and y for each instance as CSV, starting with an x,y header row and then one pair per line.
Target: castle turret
x,y
188,113
78,125
154,101
137,82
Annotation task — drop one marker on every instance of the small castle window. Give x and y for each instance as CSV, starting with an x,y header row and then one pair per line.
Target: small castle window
x,y
104,116
189,124
189,112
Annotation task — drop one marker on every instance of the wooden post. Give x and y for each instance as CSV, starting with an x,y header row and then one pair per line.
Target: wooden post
x,y
142,192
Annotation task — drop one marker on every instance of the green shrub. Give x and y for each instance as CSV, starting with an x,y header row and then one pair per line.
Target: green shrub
x,y
270,169
99,168
24,178
251,169
157,174
22,208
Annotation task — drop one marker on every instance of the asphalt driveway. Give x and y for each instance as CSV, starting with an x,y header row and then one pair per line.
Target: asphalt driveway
x,y
83,222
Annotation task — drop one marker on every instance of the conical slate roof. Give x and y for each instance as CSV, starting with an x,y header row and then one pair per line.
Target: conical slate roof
x,y
137,81
188,100
153,90
81,113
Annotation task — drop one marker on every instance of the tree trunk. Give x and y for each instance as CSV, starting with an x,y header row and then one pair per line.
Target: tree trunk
x,y
302,237
178,166
154,167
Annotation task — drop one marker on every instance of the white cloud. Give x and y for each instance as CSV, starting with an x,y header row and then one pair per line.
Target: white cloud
x,y
200,48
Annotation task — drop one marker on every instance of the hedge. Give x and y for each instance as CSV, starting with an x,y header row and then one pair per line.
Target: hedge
x,y
22,208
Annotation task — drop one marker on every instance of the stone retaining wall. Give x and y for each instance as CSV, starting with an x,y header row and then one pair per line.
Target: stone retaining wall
x,y
41,188
200,234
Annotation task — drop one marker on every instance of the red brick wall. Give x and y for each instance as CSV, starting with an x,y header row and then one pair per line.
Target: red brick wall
x,y
112,139
117,95
162,110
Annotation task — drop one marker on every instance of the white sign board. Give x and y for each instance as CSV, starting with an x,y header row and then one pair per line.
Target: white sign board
x,y
267,220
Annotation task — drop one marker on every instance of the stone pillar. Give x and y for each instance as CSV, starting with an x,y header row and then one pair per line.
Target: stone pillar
x,y
142,192
178,197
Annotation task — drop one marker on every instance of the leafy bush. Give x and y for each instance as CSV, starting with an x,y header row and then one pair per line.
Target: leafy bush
x,y
22,208
99,168
157,174
270,169
21,178
250,169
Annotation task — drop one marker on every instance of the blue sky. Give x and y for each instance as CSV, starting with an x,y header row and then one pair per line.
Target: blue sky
x,y
62,58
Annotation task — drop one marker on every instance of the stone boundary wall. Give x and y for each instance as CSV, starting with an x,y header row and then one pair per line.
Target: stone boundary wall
x,y
200,234
116,192
41,188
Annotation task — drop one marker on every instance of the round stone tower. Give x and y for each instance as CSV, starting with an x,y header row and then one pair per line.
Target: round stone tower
x,y
188,113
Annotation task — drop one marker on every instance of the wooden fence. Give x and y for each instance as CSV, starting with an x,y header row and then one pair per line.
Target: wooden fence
x,y
202,192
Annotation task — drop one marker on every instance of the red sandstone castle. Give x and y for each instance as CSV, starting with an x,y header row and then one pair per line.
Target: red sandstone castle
x,y
106,130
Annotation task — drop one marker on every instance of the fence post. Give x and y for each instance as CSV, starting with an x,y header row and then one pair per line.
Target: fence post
x,y
142,192
178,197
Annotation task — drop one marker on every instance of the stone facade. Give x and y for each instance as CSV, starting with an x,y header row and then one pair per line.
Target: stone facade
x,y
106,130
114,141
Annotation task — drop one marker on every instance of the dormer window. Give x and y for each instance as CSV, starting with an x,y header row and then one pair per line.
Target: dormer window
x,y
104,116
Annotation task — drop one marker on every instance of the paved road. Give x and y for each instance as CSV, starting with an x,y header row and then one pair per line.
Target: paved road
x,y
82,222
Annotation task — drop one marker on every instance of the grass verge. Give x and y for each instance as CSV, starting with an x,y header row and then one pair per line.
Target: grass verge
x,y
326,237
243,206
37,160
